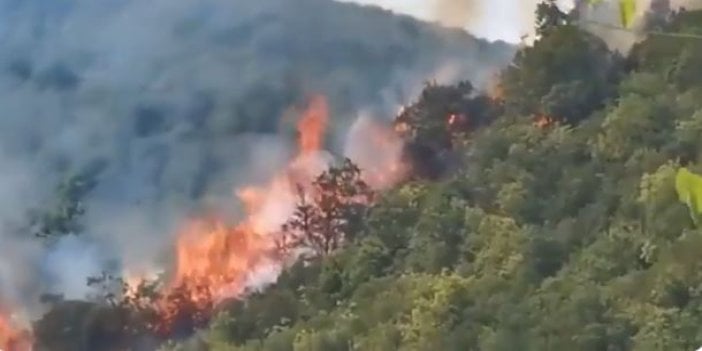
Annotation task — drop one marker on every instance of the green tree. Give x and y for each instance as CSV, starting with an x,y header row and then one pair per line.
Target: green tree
x,y
549,16
568,73
63,217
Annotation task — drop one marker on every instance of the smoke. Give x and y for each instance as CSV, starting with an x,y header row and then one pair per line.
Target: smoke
x,y
180,102
377,151
505,20
20,190
604,20
509,20
457,13
68,265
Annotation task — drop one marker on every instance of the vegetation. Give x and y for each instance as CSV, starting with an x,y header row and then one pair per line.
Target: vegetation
x,y
329,213
566,235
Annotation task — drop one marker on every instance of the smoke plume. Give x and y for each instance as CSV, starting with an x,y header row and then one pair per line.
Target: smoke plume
x,y
457,13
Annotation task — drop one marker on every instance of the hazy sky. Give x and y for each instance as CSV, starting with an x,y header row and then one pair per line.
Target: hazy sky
x,y
496,19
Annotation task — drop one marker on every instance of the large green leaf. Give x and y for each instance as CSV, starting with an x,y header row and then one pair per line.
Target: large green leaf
x,y
689,188
627,10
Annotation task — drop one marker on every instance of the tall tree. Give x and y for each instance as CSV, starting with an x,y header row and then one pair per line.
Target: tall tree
x,y
329,211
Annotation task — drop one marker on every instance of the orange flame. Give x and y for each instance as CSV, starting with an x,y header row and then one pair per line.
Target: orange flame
x,y
544,121
215,260
13,338
221,256
313,124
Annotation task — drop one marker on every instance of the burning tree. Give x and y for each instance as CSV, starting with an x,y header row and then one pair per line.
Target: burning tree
x,y
443,114
124,315
328,212
214,260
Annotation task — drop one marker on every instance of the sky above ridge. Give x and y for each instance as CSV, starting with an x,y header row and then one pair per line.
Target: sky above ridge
x,y
506,20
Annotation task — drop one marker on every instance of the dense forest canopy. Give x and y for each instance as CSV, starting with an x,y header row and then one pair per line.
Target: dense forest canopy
x,y
541,216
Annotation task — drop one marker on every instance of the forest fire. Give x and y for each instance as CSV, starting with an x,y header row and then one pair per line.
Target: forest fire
x,y
313,125
377,150
456,119
457,122
544,121
215,260
495,89
402,128
219,257
13,338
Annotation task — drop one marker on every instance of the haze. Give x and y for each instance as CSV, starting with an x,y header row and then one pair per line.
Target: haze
x,y
506,20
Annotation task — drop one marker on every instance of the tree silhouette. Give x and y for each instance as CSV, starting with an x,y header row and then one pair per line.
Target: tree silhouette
x,y
328,212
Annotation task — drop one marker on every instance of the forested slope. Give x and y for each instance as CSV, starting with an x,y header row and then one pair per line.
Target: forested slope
x,y
559,230
122,118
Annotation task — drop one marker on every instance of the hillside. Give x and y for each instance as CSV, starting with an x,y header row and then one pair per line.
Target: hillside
x,y
122,118
541,215
561,229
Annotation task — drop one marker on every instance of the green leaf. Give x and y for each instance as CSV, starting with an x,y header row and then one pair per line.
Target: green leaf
x,y
689,188
627,10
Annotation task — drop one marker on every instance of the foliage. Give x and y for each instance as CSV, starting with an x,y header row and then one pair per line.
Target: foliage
x,y
567,74
433,124
689,188
63,217
549,17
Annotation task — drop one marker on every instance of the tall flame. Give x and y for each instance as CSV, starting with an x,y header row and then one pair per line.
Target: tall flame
x,y
313,125
216,257
215,260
